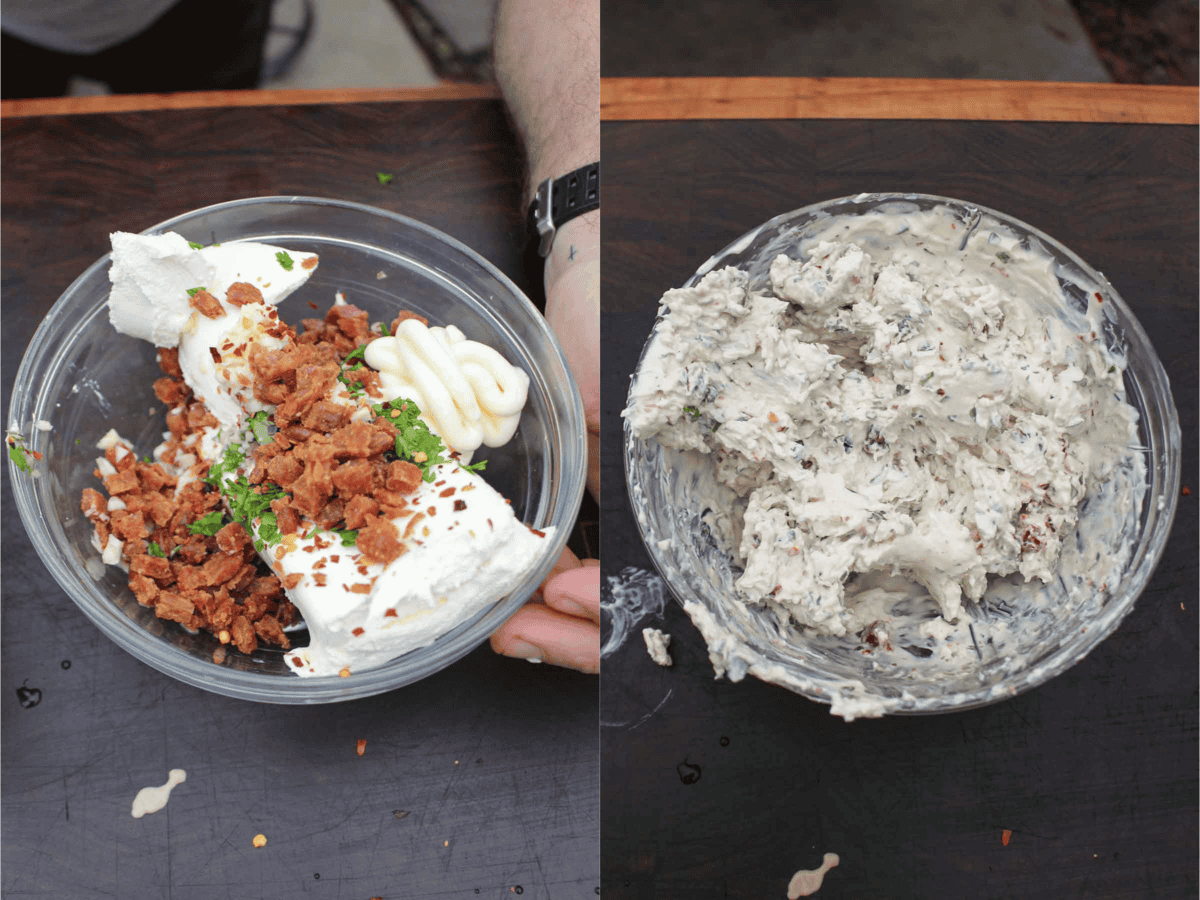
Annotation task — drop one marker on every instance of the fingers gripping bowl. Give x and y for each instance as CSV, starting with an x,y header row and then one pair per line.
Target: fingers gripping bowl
x,y
935,507
80,378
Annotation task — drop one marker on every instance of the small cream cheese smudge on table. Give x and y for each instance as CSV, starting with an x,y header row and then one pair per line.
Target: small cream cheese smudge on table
x,y
152,799
656,645
808,881
633,594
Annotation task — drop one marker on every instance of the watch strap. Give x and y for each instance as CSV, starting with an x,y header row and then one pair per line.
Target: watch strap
x,y
559,200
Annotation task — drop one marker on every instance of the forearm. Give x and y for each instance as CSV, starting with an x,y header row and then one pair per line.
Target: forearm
x,y
547,55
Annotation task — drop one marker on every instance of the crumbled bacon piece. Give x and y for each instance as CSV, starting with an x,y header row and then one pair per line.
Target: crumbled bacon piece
x,y
241,292
206,304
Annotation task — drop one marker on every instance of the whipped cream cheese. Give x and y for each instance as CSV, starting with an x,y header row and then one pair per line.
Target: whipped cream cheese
x,y
463,546
880,401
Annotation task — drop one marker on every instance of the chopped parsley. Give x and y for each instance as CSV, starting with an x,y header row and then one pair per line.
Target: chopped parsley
x,y
259,425
247,502
925,380
195,246
192,292
355,388
16,452
208,525
384,177
1004,257
348,537
383,329
155,550
415,442
692,411
284,260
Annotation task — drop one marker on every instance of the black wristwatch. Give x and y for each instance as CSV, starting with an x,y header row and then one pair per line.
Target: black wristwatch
x,y
559,201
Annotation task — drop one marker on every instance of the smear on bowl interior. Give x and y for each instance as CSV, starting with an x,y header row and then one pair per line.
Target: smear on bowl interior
x,y
322,473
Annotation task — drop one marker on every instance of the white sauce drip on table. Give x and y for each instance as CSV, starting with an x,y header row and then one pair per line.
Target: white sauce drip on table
x,y
807,882
152,799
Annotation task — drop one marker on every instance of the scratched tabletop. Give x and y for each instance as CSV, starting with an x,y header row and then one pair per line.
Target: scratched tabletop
x,y
479,781
1083,788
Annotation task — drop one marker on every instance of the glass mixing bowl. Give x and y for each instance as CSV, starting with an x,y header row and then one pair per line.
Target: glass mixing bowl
x,y
82,378
1056,624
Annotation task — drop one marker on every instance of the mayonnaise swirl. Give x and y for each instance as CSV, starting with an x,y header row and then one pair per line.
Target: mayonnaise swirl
x,y
467,392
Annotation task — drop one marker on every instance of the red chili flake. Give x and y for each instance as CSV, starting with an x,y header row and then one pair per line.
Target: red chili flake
x,y
1187,491
1099,299
357,631
540,534
491,527
1005,835
313,305
362,747
448,492
389,612
433,510
215,354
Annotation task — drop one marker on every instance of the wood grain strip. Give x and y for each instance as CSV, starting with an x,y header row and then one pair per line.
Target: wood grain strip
x,y
120,103
624,99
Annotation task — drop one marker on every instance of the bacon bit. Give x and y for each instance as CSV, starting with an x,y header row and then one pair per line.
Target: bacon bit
x,y
390,613
292,580
345,672
772,418
433,510
309,262
1099,299
260,840
1187,491
357,631
1004,836
460,505
359,589
412,523
448,492
362,746
297,660
223,636
219,655
320,578
335,557
206,304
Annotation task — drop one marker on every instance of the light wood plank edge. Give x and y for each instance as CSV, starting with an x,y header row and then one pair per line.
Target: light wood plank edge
x,y
119,103
631,99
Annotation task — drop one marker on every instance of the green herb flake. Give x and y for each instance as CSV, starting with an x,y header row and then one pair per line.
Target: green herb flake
x,y
384,177
192,292
17,454
259,426
195,246
383,329
208,525
925,380
348,537
155,550
284,260
1004,257
414,442
692,411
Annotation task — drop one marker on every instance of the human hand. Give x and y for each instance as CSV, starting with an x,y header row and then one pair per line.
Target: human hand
x,y
561,624
573,313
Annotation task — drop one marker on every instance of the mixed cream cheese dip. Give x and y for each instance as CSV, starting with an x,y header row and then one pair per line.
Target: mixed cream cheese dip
x,y
457,548
883,415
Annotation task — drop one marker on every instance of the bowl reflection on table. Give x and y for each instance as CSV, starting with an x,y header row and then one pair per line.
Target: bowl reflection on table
x,y
82,378
1058,627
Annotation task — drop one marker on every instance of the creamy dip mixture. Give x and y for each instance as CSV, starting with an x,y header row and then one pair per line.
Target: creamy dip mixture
x,y
875,404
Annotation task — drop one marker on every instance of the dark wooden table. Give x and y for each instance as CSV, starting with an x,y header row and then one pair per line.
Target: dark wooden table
x,y
721,790
480,780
